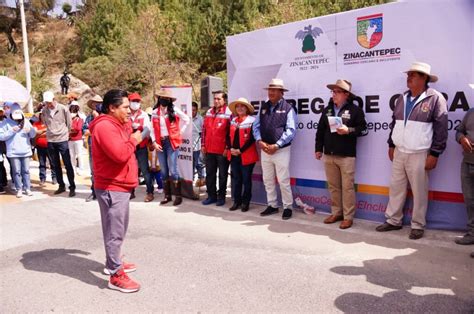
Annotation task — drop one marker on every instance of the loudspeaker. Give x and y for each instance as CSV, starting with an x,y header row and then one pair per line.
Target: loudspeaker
x,y
208,85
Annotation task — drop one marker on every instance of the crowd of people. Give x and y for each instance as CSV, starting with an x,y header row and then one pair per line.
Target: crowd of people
x,y
124,140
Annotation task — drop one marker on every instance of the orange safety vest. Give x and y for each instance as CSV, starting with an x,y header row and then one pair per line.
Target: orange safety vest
x,y
173,129
250,155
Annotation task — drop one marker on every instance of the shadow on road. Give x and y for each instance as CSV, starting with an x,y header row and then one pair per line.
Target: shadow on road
x,y
66,262
430,277
401,302
422,282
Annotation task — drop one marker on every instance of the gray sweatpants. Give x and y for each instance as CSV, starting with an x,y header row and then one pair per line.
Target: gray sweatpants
x,y
114,212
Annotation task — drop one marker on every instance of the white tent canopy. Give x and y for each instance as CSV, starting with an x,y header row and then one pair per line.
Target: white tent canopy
x,y
11,90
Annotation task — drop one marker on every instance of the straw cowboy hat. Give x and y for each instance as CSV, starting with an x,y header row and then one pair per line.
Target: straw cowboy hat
x,y
276,84
95,99
342,84
424,68
165,93
242,101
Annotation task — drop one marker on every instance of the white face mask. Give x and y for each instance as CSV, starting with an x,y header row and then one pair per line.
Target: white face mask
x,y
134,105
73,115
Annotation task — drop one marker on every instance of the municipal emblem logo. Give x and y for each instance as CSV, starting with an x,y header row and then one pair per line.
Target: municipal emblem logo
x,y
307,35
370,30
425,107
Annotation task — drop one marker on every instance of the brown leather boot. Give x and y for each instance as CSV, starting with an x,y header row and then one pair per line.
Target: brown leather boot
x,y
177,192
167,192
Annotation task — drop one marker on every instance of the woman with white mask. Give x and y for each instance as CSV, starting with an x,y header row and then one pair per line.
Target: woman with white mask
x,y
17,133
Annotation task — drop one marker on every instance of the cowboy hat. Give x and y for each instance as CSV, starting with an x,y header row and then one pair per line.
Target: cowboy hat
x,y
165,93
95,99
242,101
276,84
342,84
424,68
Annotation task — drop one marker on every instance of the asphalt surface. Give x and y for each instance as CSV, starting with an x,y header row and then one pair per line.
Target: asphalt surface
x,y
196,258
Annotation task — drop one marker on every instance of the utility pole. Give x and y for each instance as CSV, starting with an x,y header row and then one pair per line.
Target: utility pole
x,y
26,55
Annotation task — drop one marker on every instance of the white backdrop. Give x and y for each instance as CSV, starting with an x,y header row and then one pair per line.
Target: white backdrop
x,y
437,32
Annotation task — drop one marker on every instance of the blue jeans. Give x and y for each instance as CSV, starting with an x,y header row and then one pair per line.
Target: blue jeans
x,y
21,172
158,179
58,151
142,159
198,165
168,161
43,154
241,178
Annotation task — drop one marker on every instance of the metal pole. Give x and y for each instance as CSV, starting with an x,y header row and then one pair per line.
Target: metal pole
x,y
26,55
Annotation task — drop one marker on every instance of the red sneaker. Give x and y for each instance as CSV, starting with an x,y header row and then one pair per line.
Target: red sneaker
x,y
127,267
121,282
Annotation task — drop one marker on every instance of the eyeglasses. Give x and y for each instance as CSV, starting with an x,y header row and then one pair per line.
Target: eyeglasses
x,y
335,92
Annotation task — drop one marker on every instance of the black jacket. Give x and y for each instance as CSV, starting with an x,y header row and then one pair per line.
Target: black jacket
x,y
340,145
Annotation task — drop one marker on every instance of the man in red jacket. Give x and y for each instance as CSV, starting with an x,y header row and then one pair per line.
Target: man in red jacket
x,y
115,176
214,133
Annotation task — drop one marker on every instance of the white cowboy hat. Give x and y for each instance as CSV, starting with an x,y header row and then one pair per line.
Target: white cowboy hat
x,y
342,84
424,68
276,84
242,101
165,93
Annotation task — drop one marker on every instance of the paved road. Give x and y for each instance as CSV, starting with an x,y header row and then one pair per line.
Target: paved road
x,y
207,259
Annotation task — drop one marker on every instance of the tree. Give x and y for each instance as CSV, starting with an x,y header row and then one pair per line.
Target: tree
x,y
146,49
43,6
103,26
9,21
67,8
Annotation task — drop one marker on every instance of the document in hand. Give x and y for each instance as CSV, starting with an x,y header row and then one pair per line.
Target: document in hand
x,y
334,123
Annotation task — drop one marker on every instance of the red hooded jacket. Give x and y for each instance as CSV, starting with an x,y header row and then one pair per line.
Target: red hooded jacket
x,y
113,155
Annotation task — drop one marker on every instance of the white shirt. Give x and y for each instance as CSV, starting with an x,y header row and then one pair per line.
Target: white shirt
x,y
183,122
144,116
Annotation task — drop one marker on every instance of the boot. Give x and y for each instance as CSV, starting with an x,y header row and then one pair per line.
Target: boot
x,y
177,192
167,192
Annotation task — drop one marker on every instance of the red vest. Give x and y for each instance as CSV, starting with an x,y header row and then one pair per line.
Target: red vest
x,y
140,119
216,126
174,131
250,155
41,140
